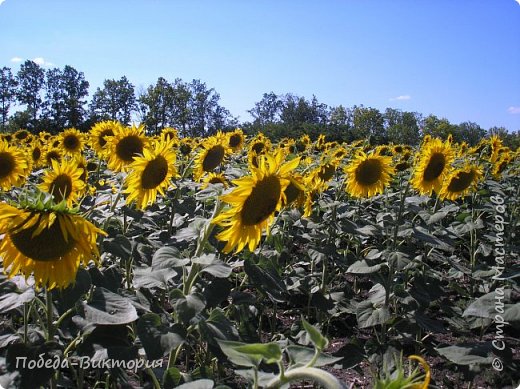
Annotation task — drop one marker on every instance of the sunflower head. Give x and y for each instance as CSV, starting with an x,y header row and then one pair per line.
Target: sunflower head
x,y
72,141
236,139
100,133
49,243
211,156
254,202
126,144
64,182
368,175
214,178
460,182
13,166
52,154
151,174
432,166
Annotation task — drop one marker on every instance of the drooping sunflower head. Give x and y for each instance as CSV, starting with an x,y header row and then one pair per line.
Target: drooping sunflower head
x,y
72,141
211,156
151,174
460,182
100,133
368,175
13,166
254,202
46,243
432,166
52,154
214,178
126,144
295,193
236,140
501,165
186,146
63,182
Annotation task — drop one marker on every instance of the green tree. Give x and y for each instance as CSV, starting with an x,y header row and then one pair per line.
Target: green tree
x,y
440,128
31,79
115,101
8,86
369,123
267,111
402,127
156,106
471,133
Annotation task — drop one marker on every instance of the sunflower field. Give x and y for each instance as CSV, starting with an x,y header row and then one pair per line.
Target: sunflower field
x,y
137,261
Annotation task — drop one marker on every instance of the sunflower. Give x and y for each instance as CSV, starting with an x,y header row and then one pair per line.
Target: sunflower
x,y
214,178
13,166
49,243
126,144
100,133
236,139
368,175
22,134
432,166
295,193
259,144
186,146
72,141
501,165
36,152
52,154
254,202
212,155
495,143
151,174
460,182
63,182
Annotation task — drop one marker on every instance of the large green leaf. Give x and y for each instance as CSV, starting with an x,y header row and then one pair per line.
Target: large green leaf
x,y
369,315
157,338
267,280
485,305
468,354
106,307
14,293
319,341
300,356
187,306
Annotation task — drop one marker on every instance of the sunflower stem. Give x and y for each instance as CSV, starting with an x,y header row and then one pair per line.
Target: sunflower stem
x,y
50,327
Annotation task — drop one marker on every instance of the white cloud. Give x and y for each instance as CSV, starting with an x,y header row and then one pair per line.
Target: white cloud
x,y
1,1
403,97
41,61
518,1
514,110
16,59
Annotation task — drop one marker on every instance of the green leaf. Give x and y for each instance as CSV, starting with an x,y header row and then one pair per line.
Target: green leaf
x,y
119,246
266,280
468,354
270,352
69,296
369,315
228,347
187,307
363,267
157,339
485,305
319,341
108,308
16,298
300,356
198,384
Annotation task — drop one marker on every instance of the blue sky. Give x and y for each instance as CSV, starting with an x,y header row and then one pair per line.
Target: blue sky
x,y
457,59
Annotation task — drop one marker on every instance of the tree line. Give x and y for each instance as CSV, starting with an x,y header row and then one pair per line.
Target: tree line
x,y
55,99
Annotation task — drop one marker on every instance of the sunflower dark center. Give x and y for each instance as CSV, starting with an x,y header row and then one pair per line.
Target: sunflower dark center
x,y
402,166
213,158
292,192
216,180
49,245
7,164
262,201
101,138
327,172
128,147
21,135
185,149
36,154
369,172
53,155
154,173
234,140
461,182
61,188
258,147
435,167
71,142
91,166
